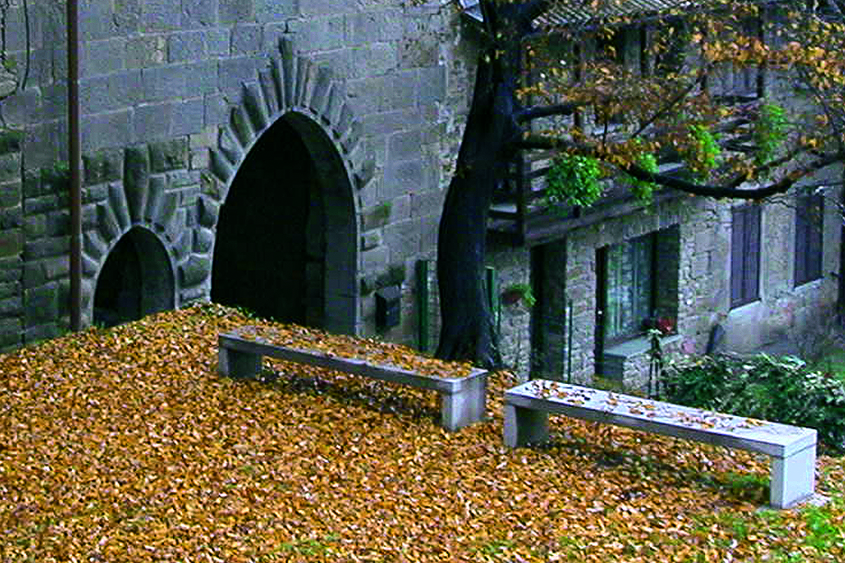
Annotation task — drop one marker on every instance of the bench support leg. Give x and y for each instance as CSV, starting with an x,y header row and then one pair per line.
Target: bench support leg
x,y
793,478
465,407
235,364
525,426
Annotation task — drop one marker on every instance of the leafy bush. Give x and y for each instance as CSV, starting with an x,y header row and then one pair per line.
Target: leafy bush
x,y
780,389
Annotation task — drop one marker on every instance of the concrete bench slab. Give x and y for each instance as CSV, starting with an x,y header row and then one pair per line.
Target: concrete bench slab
x,y
792,449
462,399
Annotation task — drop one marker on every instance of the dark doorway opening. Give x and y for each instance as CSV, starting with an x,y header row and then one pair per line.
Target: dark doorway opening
x,y
269,248
136,280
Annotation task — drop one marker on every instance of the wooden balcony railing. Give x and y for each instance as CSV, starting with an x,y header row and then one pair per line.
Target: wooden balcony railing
x,y
520,215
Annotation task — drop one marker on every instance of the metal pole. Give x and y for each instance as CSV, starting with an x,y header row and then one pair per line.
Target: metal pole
x,y
74,162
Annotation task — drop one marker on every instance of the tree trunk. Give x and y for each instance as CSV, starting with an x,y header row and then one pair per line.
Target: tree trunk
x,y
467,331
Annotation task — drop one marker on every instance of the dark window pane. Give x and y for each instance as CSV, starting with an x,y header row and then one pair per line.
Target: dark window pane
x,y
628,287
808,238
745,255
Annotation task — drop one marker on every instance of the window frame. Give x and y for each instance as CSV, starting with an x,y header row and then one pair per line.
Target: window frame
x,y
603,279
746,236
809,238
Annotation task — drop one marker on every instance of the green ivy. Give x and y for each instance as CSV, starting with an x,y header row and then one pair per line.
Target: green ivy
x,y
641,189
769,132
573,179
704,154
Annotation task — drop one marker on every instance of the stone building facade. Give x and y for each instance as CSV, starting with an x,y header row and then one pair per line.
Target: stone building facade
x,y
292,157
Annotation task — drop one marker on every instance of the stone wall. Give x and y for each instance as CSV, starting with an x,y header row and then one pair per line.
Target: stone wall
x,y
700,270
173,97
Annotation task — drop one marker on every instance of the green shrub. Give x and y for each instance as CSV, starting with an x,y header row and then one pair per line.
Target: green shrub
x,y
780,389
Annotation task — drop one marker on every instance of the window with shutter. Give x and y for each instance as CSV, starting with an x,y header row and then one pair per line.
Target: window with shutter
x,y
745,255
808,238
628,288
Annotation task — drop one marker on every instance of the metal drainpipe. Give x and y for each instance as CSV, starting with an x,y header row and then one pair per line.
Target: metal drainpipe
x,y
74,163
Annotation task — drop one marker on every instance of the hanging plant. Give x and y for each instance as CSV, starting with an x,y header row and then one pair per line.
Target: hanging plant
x,y
703,153
769,132
517,292
641,189
573,179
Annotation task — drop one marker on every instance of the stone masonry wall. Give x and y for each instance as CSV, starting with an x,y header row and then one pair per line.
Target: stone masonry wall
x,y
167,91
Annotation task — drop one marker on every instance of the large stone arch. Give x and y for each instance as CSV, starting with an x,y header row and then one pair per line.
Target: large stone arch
x,y
308,99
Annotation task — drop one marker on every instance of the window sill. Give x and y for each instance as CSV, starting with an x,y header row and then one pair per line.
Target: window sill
x,y
637,346
616,356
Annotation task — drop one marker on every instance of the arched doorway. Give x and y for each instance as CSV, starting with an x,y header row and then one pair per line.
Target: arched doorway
x,y
136,280
285,243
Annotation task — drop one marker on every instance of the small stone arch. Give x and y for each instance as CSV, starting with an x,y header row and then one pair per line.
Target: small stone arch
x,y
140,219
307,99
136,279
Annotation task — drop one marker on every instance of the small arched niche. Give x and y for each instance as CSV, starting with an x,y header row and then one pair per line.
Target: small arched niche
x,y
136,280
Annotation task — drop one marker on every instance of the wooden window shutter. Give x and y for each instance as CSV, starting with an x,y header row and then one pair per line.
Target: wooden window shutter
x,y
745,254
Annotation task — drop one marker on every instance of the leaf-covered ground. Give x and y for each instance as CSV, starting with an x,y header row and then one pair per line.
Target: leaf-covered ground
x,y
125,445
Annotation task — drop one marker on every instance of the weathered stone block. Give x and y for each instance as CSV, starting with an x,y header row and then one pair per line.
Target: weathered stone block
x,y
10,141
136,167
11,243
402,178
106,130
208,212
146,51
203,240
10,269
102,57
11,217
160,15
10,194
10,167
376,217
187,46
246,39
169,155
199,13
11,307
103,166
164,82
9,289
41,304
47,247
188,117
10,333
117,200
43,332
233,11
152,121
195,270
56,268
127,15
370,239
107,222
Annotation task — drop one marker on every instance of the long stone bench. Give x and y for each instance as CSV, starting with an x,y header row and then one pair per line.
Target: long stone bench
x,y
792,449
462,399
